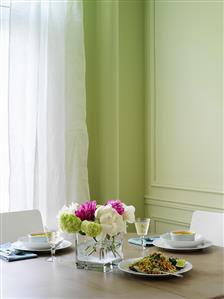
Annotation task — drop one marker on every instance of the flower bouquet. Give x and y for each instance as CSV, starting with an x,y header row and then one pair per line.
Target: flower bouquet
x,y
98,231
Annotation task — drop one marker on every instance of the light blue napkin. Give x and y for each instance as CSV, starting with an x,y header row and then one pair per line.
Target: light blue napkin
x,y
10,254
147,240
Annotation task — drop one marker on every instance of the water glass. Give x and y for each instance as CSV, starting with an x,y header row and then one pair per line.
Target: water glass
x,y
53,240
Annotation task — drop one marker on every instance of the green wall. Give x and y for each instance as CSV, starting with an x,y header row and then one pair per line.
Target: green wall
x,y
155,110
184,111
114,41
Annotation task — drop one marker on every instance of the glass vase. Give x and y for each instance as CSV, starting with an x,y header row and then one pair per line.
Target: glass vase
x,y
101,255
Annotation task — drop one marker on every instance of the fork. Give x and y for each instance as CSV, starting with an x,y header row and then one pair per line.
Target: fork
x,y
159,272
171,273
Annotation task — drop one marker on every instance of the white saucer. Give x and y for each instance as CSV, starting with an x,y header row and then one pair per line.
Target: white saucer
x,y
37,245
20,246
162,244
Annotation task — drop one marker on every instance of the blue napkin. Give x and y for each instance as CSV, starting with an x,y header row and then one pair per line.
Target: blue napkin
x,y
147,240
10,254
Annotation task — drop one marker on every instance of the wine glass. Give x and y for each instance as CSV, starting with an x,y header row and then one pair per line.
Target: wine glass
x,y
54,240
142,226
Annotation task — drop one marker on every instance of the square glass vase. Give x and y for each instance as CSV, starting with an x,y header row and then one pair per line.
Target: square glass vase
x,y
100,255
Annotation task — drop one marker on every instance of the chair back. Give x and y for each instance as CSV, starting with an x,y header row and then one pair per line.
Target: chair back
x,y
210,225
18,224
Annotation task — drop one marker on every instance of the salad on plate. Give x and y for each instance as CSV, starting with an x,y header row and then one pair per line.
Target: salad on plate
x,y
157,263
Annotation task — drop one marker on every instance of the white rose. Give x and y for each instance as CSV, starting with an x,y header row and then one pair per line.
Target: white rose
x,y
112,223
129,214
73,207
70,209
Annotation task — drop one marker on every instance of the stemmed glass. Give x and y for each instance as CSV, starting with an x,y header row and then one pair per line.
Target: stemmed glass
x,y
54,240
142,226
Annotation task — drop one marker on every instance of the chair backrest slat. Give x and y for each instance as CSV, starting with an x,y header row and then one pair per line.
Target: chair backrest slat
x,y
210,225
18,224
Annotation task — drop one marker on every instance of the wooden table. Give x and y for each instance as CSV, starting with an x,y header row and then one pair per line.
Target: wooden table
x,y
37,278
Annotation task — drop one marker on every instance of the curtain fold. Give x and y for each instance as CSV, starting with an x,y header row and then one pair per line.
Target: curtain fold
x,y
47,108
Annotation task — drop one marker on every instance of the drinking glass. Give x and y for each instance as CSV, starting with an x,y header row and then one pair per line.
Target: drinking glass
x,y
142,226
53,239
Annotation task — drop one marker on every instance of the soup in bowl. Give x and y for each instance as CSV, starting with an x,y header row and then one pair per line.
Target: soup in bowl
x,y
182,235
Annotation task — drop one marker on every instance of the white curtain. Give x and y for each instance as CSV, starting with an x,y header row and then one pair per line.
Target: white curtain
x,y
47,110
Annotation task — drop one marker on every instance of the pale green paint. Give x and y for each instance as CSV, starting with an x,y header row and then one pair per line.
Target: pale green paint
x,y
131,103
114,40
120,57
184,96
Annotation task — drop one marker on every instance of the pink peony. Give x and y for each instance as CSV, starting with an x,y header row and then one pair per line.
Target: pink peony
x,y
117,205
86,210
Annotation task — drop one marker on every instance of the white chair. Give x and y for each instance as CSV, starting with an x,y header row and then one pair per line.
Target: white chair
x,y
18,224
210,225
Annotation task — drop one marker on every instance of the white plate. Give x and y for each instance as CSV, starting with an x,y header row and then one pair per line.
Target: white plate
x,y
162,244
20,246
182,244
124,266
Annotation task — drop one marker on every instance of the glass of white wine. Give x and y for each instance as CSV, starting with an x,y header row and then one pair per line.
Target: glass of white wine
x,y
142,227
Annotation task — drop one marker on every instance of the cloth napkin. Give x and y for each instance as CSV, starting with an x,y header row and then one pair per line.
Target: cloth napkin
x,y
10,254
147,240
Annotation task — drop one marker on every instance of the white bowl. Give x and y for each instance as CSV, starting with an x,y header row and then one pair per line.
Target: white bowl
x,y
182,244
182,235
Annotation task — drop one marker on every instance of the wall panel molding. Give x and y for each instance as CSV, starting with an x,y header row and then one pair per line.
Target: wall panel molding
x,y
187,189
168,221
152,92
180,206
152,97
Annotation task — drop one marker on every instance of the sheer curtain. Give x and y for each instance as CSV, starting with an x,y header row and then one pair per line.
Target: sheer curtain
x,y
47,111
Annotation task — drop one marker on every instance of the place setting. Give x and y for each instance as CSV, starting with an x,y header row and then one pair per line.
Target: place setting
x,y
155,264
182,240
41,242
33,244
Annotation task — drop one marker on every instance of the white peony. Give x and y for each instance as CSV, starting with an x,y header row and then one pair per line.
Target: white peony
x,y
129,213
112,223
